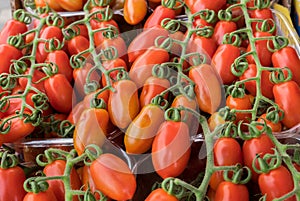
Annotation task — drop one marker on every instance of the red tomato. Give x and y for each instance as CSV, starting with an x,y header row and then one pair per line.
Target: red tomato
x,y
141,68
286,94
117,42
171,149
61,58
275,127
161,195
12,27
222,27
265,84
288,57
198,5
78,44
11,181
260,145
75,113
15,104
208,87
111,64
70,5
91,128
36,77
59,97
228,191
8,54
88,182
142,130
123,104
261,14
116,179
222,60
57,168
201,44
104,95
160,12
45,196
98,36
134,11
271,183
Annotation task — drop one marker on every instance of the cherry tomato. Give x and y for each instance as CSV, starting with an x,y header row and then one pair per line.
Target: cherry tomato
x,y
88,182
8,54
228,191
134,11
39,3
271,183
36,80
123,104
285,95
78,44
288,57
59,97
54,5
275,127
208,87
12,27
104,95
116,179
47,195
111,64
75,113
91,128
198,5
161,195
261,14
57,168
222,60
222,27
70,5
171,149
204,45
142,130
160,12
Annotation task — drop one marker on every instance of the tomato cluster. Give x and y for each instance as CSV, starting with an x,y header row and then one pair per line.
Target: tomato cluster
x,y
148,82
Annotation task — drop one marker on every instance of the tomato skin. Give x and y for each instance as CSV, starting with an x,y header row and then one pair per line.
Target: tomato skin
x,y
111,64
8,53
19,129
134,11
123,104
59,97
161,195
202,45
160,12
198,5
142,130
153,86
11,181
91,128
264,55
222,60
57,168
260,145
275,127
37,75
45,196
143,41
222,27
54,5
116,179
243,103
70,5
117,42
228,191
141,69
98,36
171,136
271,183
288,57
12,27
61,58
266,84
78,44
286,94
104,95
262,14
75,113
208,87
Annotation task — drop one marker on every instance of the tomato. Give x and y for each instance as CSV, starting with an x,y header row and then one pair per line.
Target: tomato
x,y
134,11
261,14
88,182
198,5
271,183
201,44
39,3
91,128
12,27
142,130
70,5
77,45
229,191
288,57
59,97
8,54
158,15
54,5
11,181
49,32
171,149
286,94
47,195
57,168
222,60
116,179
264,54
161,195
266,85
153,86
61,58
260,145
75,113
243,103
104,95
123,104
222,27
111,64
18,130
36,80
275,127
143,41
141,69
215,120
208,87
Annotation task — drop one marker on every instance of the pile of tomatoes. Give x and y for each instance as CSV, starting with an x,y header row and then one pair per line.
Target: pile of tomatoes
x,y
151,80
